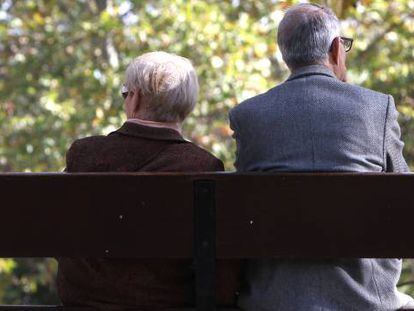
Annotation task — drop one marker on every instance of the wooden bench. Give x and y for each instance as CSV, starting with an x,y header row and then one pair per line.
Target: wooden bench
x,y
205,216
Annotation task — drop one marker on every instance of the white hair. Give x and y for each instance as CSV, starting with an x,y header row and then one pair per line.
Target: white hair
x,y
306,33
168,81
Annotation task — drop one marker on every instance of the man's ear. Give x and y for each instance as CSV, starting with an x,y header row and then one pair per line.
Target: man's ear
x,y
334,54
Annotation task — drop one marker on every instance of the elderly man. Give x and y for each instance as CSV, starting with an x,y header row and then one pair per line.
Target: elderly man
x,y
315,121
159,92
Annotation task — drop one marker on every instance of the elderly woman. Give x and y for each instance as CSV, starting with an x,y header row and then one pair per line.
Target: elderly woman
x,y
159,92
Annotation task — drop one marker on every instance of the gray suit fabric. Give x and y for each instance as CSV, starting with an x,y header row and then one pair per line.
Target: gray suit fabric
x,y
314,122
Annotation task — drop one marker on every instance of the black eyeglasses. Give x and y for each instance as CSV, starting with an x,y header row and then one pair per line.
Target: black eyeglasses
x,y
347,42
124,91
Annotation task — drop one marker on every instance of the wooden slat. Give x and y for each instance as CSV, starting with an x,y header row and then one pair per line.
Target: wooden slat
x,y
95,215
62,308
43,307
308,215
266,215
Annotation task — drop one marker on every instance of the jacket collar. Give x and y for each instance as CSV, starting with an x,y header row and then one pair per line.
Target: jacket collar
x,y
310,71
148,132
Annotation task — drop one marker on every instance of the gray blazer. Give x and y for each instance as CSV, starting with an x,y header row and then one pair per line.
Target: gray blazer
x,y
314,122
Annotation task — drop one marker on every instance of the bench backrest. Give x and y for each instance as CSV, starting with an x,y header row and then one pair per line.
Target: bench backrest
x,y
254,215
206,216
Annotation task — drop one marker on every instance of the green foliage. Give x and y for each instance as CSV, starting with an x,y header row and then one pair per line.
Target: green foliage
x,y
62,64
28,281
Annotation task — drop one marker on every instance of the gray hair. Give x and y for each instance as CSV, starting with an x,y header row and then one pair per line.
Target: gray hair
x,y
306,33
168,81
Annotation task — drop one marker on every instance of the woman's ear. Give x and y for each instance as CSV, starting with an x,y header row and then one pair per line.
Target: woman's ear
x,y
136,99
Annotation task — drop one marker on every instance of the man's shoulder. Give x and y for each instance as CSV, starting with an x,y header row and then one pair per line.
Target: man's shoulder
x,y
285,89
252,102
363,91
337,87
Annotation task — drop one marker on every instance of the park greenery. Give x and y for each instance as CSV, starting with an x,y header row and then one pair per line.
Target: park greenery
x,y
62,64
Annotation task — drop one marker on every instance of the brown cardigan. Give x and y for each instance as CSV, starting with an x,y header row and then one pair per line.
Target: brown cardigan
x,y
118,283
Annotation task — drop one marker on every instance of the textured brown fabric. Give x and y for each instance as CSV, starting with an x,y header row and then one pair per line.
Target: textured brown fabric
x,y
113,284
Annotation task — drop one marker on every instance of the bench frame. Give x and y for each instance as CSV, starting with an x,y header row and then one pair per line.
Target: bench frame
x,y
228,213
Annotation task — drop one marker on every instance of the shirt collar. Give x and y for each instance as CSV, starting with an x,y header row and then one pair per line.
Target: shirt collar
x,y
170,125
310,71
149,132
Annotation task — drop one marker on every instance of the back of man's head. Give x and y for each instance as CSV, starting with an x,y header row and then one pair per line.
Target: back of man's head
x,y
306,33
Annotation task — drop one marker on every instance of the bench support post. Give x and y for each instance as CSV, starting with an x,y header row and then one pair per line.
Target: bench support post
x,y
205,244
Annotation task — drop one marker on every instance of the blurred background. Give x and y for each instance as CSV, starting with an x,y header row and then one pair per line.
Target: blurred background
x,y
62,65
